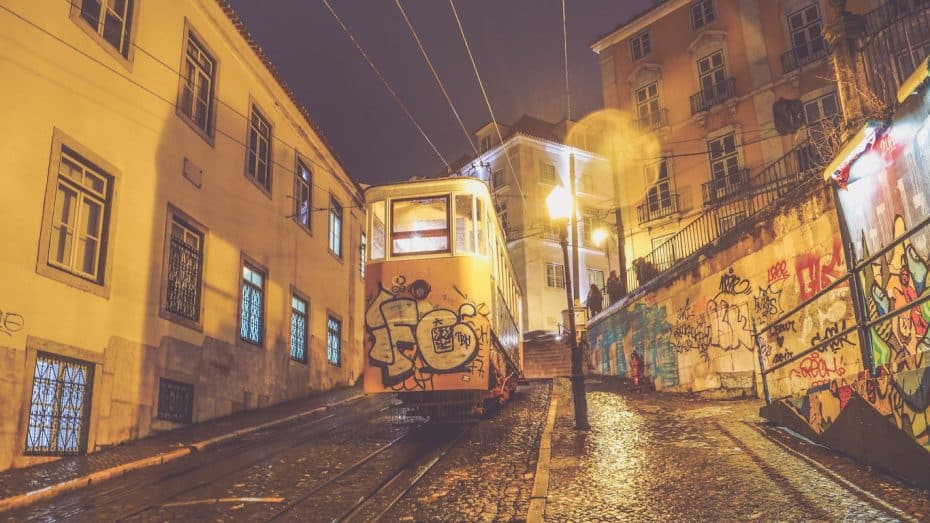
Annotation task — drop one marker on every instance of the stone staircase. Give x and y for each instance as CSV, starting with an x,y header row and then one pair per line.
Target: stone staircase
x,y
546,357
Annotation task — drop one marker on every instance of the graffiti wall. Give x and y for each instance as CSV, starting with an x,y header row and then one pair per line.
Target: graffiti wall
x,y
428,326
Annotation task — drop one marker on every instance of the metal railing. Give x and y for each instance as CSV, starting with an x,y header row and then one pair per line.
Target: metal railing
x,y
725,187
656,208
653,121
898,38
717,94
791,173
800,56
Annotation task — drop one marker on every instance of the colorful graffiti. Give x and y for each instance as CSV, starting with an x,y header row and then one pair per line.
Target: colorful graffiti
x,y
816,271
641,328
411,340
721,326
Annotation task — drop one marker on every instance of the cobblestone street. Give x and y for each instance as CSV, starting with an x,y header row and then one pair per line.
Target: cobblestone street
x,y
662,457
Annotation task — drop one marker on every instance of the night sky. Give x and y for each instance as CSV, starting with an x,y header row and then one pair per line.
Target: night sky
x,y
517,45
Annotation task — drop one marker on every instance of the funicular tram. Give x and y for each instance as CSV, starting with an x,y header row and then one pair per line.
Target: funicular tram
x,y
443,305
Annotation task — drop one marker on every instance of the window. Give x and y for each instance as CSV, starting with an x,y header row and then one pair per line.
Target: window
x,y
335,227
497,179
60,408
586,183
713,77
80,215
303,181
485,143
726,175
648,106
702,13
175,401
198,83
503,217
362,255
596,278
548,174
333,340
821,115
252,308
480,225
916,48
555,275
464,224
112,20
298,329
420,226
184,272
377,230
640,45
659,195
258,158
806,41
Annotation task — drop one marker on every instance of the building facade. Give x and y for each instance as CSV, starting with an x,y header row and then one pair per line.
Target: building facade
x,y
171,212
703,77
522,170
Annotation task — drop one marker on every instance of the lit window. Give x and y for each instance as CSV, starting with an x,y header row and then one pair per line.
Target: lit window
x,y
60,410
377,231
587,183
198,79
420,226
464,225
555,275
258,158
333,340
548,174
185,270
298,329
596,278
363,253
640,45
303,181
111,19
702,13
252,310
335,227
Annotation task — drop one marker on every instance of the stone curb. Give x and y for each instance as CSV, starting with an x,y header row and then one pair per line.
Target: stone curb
x,y
537,510
34,496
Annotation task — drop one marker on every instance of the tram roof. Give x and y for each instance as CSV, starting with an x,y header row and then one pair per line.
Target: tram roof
x,y
429,186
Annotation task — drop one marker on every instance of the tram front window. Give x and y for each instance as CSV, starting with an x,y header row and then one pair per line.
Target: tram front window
x,y
420,226
464,225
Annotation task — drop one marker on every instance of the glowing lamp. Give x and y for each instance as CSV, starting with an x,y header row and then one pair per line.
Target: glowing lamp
x,y
599,235
559,203
913,82
838,169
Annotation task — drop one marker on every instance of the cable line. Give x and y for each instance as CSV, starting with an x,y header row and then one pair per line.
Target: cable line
x,y
385,82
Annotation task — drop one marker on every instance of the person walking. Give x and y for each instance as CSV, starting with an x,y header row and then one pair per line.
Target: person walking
x,y
613,287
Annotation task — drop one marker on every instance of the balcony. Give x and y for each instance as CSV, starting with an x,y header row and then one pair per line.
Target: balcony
x,y
657,208
801,56
720,189
717,94
653,121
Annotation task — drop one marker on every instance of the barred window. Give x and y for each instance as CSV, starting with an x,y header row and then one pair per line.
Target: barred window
x,y
198,82
298,329
175,401
185,270
258,157
335,227
555,275
333,340
80,218
303,183
111,19
60,408
252,313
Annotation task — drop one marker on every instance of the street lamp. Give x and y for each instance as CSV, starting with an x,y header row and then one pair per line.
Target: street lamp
x,y
599,236
560,207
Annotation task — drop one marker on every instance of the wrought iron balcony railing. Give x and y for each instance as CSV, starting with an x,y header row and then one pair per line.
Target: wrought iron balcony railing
x,y
801,56
723,188
653,121
657,208
716,94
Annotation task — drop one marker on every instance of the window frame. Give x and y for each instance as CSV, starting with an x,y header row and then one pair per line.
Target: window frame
x,y
657,199
334,204
552,280
804,29
545,171
247,261
64,144
97,34
87,413
644,107
704,20
391,235
209,134
255,109
643,42
191,387
603,280
295,294
332,316
173,214
298,182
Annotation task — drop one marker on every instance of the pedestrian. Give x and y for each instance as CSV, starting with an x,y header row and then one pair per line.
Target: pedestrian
x,y
613,287
595,300
636,367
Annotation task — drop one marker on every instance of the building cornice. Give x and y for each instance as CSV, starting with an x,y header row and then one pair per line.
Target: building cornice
x,y
548,146
636,25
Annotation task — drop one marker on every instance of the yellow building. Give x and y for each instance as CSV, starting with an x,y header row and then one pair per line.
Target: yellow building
x,y
703,76
180,241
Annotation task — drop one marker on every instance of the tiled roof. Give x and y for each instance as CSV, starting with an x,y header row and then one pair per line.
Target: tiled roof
x,y
531,126
655,5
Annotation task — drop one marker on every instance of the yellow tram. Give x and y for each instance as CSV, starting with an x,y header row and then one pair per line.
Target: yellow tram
x,y
443,305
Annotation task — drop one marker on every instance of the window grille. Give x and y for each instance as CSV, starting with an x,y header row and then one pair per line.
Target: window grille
x,y
258,159
333,340
251,322
60,408
298,329
185,270
175,401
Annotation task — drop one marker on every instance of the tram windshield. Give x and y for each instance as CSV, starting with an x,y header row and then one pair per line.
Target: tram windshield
x,y
420,226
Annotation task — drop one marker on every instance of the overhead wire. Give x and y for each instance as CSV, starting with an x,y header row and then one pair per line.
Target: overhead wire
x,y
390,89
432,69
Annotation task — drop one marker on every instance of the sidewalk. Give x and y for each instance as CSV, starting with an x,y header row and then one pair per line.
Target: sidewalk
x,y
22,487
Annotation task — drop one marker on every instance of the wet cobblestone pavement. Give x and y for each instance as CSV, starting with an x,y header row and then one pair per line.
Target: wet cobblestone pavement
x,y
663,457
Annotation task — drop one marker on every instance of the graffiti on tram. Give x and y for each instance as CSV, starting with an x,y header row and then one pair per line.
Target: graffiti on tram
x,y
413,340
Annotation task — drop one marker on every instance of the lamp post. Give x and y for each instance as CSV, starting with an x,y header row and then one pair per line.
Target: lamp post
x,y
560,206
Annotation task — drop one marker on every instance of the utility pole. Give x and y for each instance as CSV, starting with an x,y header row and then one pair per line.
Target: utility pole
x,y
618,215
573,220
